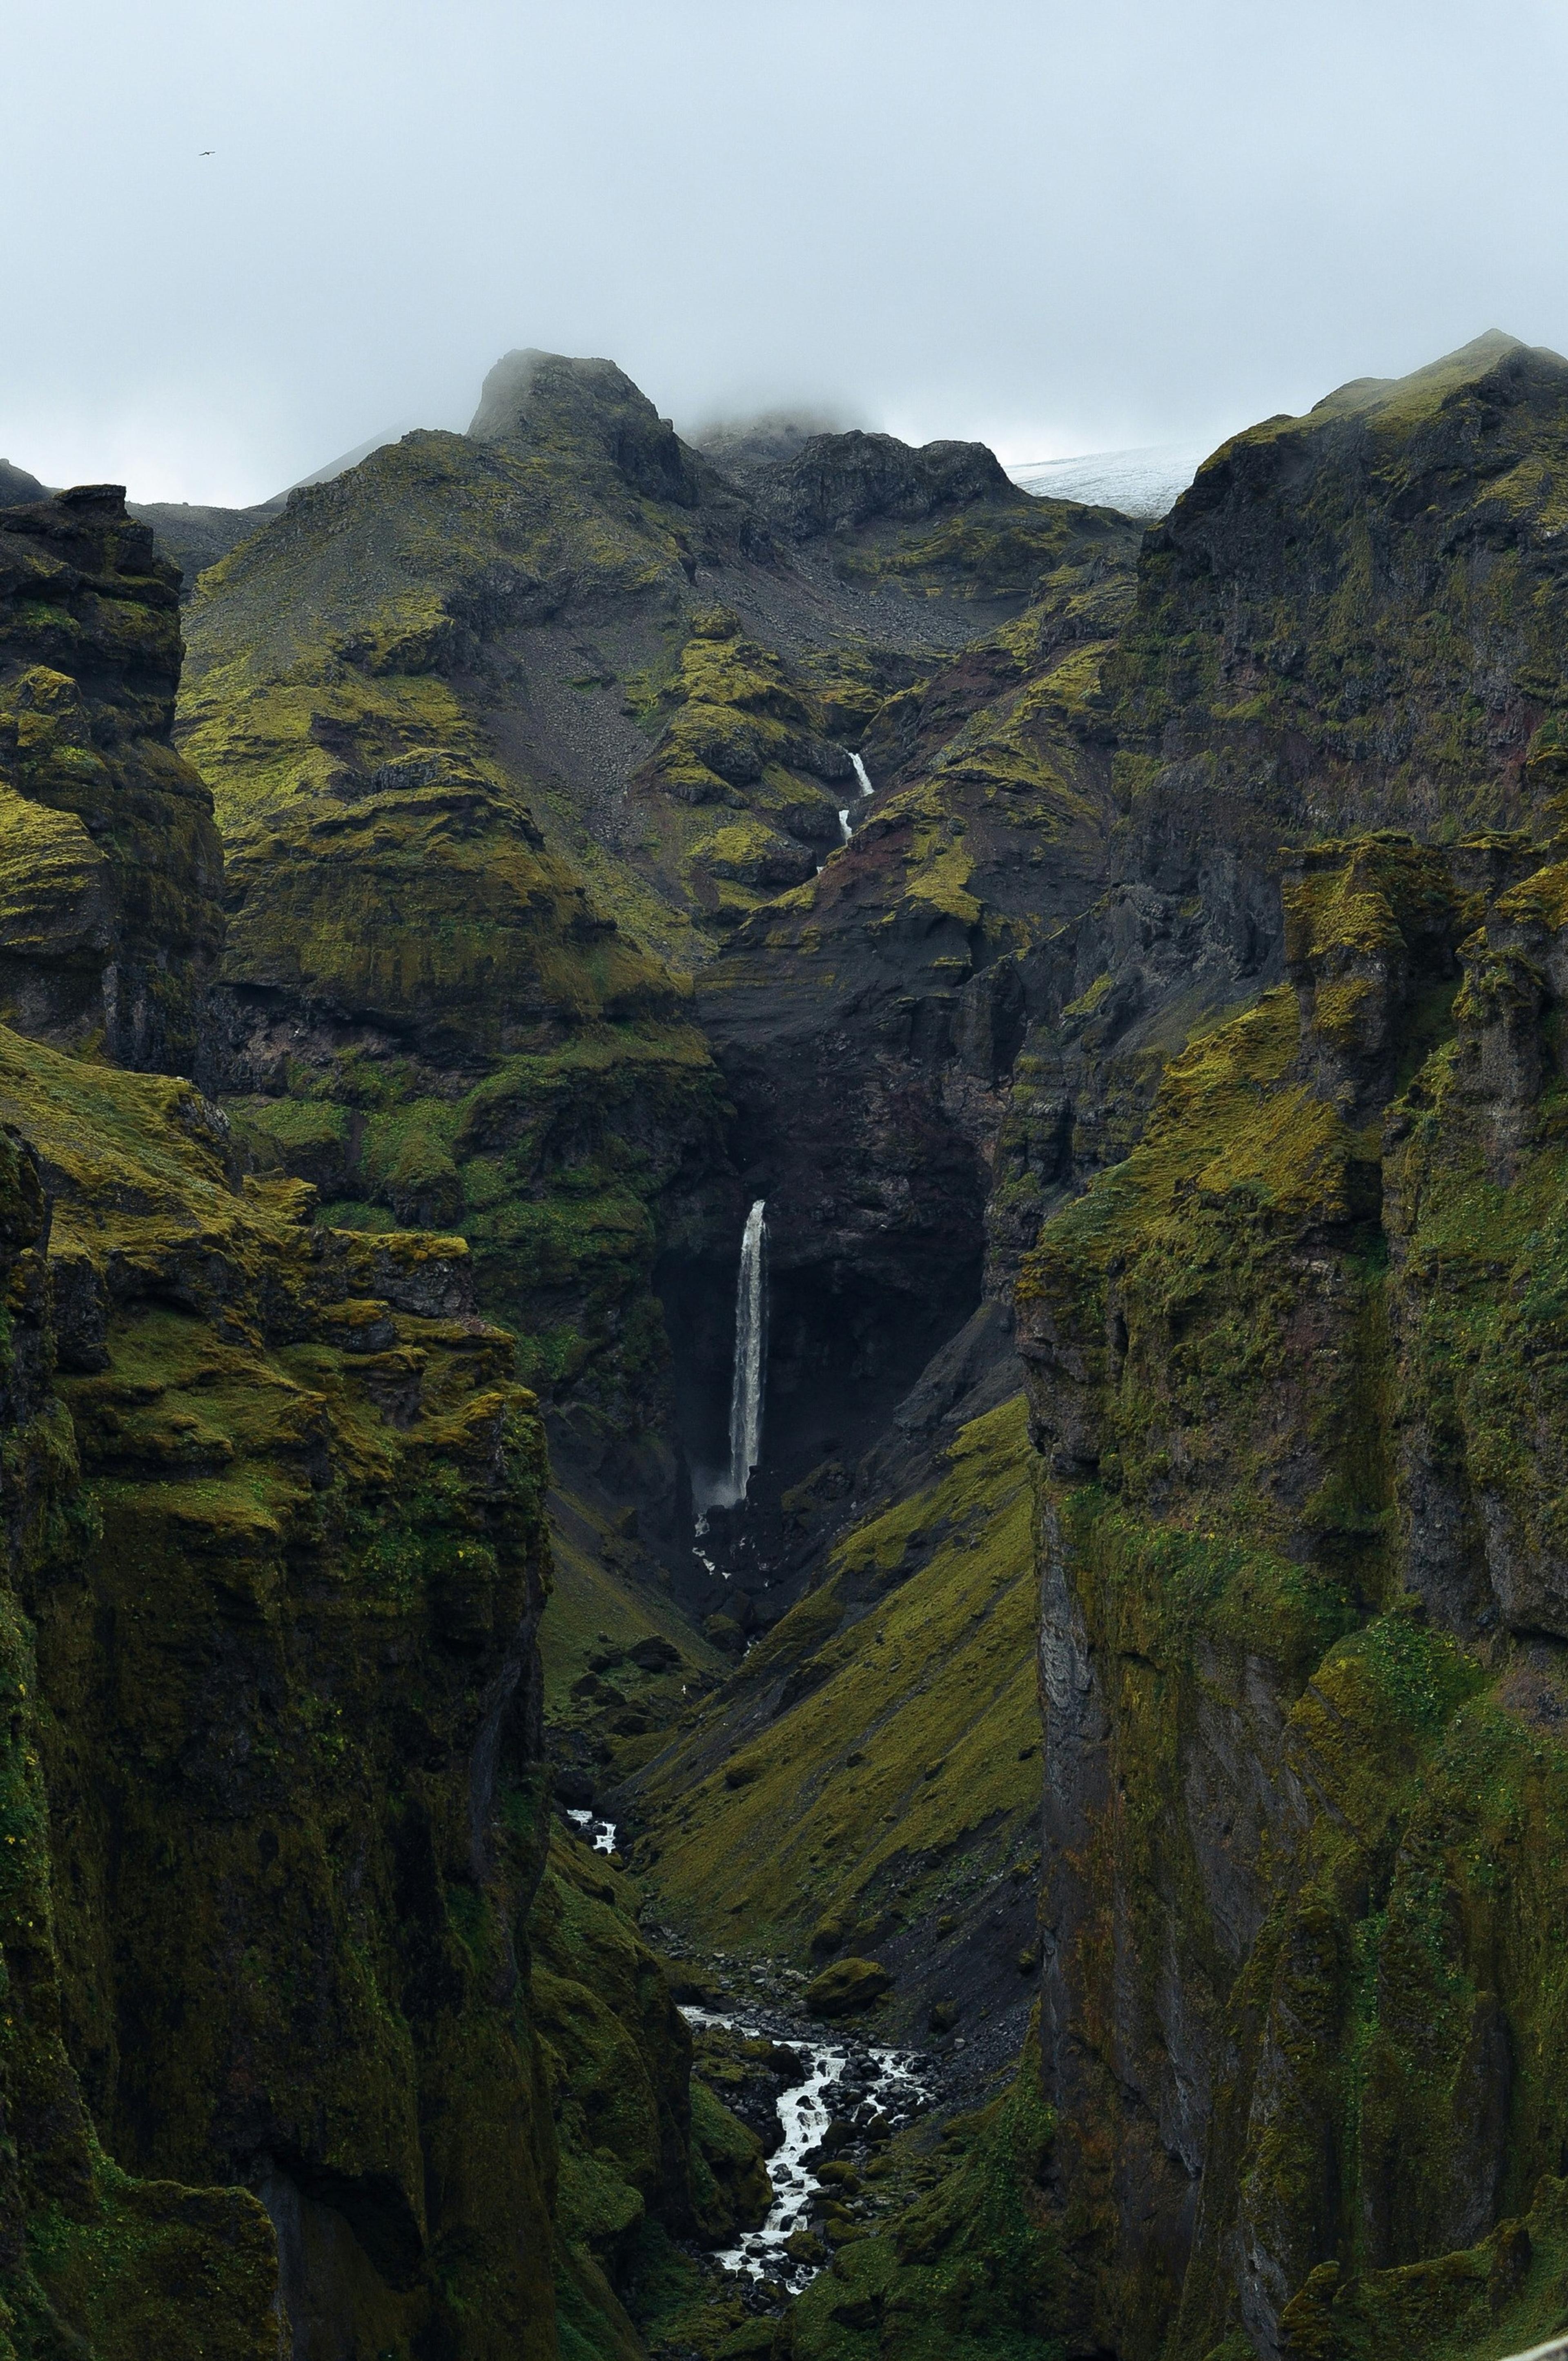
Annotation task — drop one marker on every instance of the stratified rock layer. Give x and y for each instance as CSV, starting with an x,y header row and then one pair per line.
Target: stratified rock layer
x,y
110,865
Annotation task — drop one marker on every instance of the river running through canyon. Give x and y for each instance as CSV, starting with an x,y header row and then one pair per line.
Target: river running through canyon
x,y
847,2082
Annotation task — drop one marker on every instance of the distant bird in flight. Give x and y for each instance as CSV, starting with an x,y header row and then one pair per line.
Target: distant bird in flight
x,y
207,151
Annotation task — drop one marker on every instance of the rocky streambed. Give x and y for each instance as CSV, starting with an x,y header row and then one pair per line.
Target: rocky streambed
x,y
841,2102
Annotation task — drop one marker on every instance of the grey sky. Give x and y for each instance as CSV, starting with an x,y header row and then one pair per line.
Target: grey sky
x,y
1061,228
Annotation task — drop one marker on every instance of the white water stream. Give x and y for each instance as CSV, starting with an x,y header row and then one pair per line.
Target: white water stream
x,y
844,823
601,1832
750,1352
864,775
840,2080
750,1377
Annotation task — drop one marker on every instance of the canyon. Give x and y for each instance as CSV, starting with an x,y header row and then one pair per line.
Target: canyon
x,y
785,1354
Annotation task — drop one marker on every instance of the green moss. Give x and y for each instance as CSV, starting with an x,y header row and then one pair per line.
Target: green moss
x,y
108,855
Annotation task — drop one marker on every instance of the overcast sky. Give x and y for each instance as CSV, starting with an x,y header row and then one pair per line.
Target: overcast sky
x,y
1059,228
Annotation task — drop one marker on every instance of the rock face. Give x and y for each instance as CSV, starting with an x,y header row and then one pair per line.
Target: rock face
x,y
125,2265
535,400
110,865
1352,620
837,481
1295,1576
309,1518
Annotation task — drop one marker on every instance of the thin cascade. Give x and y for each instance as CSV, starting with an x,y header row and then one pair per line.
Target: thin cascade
x,y
750,1353
844,823
864,775
726,1488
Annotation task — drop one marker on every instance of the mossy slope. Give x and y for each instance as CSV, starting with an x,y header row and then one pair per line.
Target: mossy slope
x,y
868,1778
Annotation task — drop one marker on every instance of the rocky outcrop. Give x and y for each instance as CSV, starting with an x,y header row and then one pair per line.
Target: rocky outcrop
x,y
534,398
1352,620
835,482
110,865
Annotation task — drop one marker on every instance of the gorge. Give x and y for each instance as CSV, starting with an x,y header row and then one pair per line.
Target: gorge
x,y
656,1429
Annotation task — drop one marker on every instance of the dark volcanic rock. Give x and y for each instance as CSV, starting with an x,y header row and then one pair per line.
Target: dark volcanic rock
x,y
534,397
840,480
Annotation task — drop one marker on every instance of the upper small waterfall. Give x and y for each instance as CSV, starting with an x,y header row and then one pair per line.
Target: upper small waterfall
x,y
750,1353
861,774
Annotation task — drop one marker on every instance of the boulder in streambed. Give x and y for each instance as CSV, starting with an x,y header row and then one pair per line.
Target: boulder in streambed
x,y
847,1986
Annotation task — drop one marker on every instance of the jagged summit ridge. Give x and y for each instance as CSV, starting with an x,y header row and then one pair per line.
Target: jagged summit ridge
x,y
826,482
837,481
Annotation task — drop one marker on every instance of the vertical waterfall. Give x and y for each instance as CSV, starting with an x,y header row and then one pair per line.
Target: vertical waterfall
x,y
844,823
861,774
750,1353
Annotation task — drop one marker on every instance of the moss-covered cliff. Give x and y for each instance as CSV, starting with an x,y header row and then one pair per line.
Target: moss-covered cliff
x,y
287,1673
1291,1368
277,2075
110,867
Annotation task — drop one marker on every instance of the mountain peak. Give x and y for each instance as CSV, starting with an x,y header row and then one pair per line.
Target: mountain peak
x,y
1423,388
843,480
548,400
